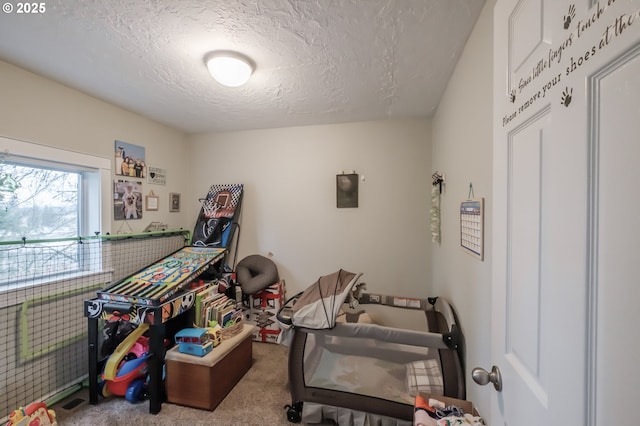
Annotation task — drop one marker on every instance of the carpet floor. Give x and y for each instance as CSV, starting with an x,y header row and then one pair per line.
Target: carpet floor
x,y
258,399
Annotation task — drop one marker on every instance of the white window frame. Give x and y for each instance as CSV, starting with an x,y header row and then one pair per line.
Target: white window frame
x,y
95,213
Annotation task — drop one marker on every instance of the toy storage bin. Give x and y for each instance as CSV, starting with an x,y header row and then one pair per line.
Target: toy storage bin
x,y
203,382
262,310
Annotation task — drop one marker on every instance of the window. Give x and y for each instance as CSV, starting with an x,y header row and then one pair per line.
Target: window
x,y
43,201
46,194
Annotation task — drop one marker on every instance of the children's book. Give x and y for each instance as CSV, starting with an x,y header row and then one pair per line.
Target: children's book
x,y
204,293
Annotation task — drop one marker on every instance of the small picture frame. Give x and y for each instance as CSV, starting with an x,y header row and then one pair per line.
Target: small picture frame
x,y
347,190
174,202
127,200
157,176
151,202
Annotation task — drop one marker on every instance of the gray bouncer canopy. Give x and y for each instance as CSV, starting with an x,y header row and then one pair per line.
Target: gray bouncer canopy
x,y
319,305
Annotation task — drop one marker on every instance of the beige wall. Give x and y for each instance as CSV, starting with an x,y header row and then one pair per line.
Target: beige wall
x,y
462,149
289,205
35,109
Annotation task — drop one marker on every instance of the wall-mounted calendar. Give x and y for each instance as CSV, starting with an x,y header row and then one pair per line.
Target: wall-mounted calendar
x,y
472,227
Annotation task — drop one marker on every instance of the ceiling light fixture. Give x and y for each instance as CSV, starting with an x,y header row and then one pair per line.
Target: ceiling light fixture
x,y
228,68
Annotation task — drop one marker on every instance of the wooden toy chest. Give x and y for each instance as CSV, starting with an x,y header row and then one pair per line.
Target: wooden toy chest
x,y
203,382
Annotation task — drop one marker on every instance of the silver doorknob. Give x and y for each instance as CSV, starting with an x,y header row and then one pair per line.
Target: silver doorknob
x,y
481,377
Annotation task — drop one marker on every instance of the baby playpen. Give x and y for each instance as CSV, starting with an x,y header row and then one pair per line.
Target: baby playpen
x,y
346,369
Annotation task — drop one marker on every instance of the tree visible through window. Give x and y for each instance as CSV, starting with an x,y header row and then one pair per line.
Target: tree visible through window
x,y
50,201
39,203
42,203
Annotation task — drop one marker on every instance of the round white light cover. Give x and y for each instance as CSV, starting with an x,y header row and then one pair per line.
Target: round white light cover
x,y
229,69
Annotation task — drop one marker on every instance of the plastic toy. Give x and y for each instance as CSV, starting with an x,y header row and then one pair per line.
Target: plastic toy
x,y
215,333
35,414
126,369
122,350
194,341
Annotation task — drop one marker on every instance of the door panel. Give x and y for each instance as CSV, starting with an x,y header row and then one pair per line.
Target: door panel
x,y
526,33
618,222
523,282
523,352
566,155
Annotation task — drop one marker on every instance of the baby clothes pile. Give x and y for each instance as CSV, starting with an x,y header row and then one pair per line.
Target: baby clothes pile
x,y
435,413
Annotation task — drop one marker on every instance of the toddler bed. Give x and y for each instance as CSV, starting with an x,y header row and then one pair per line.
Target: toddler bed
x,y
346,369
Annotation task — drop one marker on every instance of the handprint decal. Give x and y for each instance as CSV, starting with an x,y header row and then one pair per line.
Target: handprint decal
x,y
566,96
569,16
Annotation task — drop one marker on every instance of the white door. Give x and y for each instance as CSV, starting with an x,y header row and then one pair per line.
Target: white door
x,y
566,243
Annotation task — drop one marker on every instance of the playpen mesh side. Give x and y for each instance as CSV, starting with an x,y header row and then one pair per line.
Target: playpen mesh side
x,y
42,288
366,366
309,385
373,369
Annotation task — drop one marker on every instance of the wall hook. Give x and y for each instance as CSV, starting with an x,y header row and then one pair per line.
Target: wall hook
x,y
438,180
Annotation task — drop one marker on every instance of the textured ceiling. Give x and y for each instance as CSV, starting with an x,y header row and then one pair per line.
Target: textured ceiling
x,y
318,62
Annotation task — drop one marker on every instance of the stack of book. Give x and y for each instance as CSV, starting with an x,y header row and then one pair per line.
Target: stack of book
x,y
212,306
